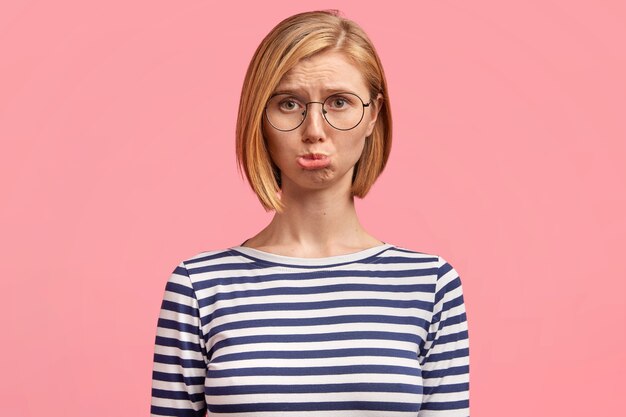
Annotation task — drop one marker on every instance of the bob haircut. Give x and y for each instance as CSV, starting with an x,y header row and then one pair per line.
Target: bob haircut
x,y
297,37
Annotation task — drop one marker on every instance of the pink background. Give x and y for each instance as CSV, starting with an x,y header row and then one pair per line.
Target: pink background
x,y
117,126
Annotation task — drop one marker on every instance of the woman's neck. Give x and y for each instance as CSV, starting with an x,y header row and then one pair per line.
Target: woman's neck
x,y
314,225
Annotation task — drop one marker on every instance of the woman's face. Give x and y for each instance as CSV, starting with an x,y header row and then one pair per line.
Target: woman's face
x,y
316,155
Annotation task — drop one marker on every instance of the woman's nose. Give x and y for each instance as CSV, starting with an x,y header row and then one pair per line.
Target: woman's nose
x,y
314,123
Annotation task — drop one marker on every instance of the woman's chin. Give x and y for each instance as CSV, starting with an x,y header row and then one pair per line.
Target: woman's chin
x,y
318,180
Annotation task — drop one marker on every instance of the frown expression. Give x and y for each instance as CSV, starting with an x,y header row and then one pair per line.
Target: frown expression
x,y
316,155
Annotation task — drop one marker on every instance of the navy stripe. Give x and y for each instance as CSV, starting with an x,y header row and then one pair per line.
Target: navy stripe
x,y
449,287
179,308
175,360
175,325
322,289
453,337
181,270
446,389
315,354
322,305
402,260
403,250
176,412
446,356
449,305
452,320
177,395
178,378
448,405
312,389
309,338
314,370
179,289
319,321
302,276
446,307
444,269
458,319
315,406
180,344
440,373
229,266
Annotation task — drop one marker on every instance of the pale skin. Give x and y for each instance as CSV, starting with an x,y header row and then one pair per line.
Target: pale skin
x,y
319,219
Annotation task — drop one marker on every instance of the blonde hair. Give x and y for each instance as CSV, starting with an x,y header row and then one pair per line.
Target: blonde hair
x,y
301,36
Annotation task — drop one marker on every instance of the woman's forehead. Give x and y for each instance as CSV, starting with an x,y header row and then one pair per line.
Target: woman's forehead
x,y
325,72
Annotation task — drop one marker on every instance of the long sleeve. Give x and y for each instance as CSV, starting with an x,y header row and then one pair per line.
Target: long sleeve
x,y
180,357
445,357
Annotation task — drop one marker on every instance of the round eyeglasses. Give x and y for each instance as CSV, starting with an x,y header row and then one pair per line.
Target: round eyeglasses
x,y
343,111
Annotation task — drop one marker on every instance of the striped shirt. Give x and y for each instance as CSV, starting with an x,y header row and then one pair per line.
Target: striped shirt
x,y
380,332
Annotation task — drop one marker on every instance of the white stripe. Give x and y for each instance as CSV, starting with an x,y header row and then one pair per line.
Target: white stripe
x,y
313,398
179,298
179,404
291,280
175,369
313,330
314,346
461,412
332,413
177,386
317,313
448,397
321,297
447,363
449,380
452,346
314,379
174,351
178,317
316,362
175,334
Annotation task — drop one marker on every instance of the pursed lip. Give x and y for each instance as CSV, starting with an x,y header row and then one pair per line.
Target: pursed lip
x,y
313,155
313,160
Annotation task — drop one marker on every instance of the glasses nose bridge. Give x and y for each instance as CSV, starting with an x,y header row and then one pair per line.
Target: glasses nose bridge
x,y
306,107
305,115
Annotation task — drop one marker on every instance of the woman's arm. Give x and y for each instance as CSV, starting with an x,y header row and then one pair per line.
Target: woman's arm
x,y
179,355
445,357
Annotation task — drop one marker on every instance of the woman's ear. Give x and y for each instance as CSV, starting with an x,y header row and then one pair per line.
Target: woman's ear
x,y
375,106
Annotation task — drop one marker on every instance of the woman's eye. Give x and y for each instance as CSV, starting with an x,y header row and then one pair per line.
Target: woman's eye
x,y
338,102
288,105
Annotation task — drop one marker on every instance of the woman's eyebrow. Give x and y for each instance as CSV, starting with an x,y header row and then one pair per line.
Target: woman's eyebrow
x,y
300,92
290,91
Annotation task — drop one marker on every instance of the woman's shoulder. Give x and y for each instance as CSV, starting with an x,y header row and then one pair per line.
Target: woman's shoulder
x,y
418,255
404,251
209,259
435,260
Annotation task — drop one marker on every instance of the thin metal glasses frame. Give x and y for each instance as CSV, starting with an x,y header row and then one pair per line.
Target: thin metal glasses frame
x,y
324,111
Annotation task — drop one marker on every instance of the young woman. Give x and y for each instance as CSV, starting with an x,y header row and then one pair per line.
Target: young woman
x,y
313,315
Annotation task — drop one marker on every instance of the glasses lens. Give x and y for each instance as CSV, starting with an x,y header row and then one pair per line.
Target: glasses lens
x,y
343,111
285,112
